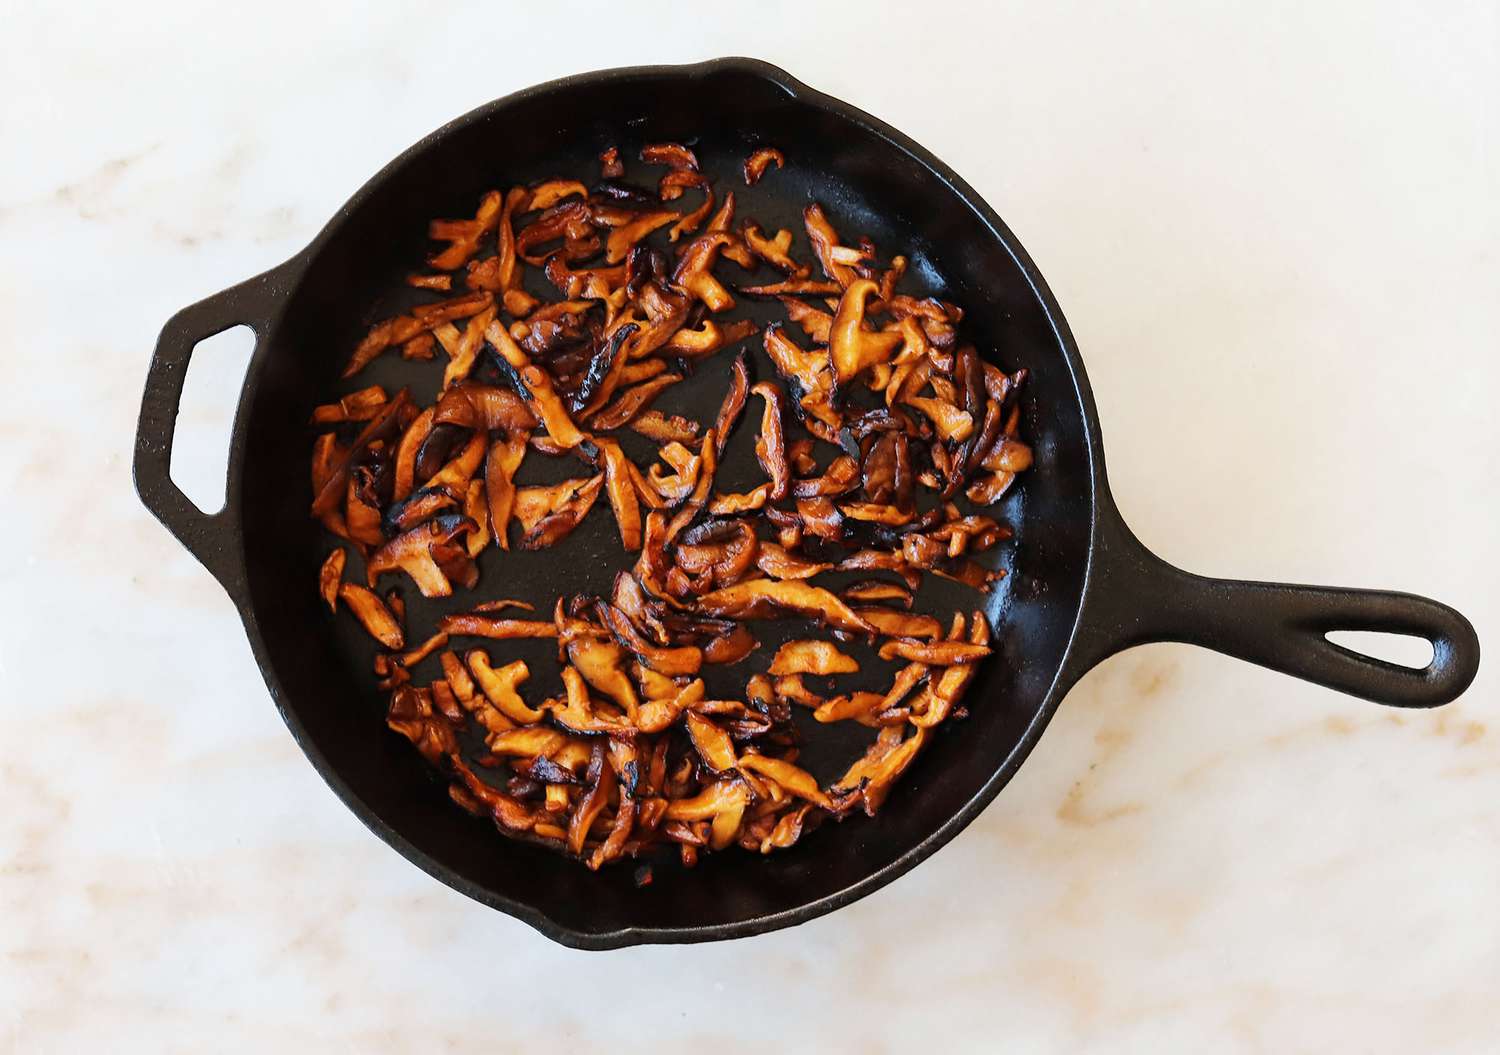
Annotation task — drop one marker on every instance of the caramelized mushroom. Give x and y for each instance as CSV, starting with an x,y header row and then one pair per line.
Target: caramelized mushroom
x,y
694,271
674,155
549,514
356,406
812,657
330,575
665,428
757,163
412,552
372,614
852,347
770,445
464,625
463,236
770,598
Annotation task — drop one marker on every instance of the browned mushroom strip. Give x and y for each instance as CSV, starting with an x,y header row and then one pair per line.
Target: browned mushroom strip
x,y
356,406
412,552
770,445
426,648
549,514
733,404
875,591
935,653
780,563
757,163
404,327
501,604
900,624
327,496
665,428
674,155
672,662
475,406
500,467
622,494
824,238
774,251
812,657
798,781
495,627
631,402
463,235
540,393
372,614
792,287
770,598
330,575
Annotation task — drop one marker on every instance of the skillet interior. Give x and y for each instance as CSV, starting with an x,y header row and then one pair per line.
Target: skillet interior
x,y
318,668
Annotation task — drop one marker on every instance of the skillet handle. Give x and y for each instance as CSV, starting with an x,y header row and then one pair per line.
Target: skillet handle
x,y
1138,598
212,538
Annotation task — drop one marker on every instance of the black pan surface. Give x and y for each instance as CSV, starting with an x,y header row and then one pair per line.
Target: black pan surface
x,y
1079,585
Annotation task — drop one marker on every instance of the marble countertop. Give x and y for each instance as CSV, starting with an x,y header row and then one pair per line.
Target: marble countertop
x,y
1273,232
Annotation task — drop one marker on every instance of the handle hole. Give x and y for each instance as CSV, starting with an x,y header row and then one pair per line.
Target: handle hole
x,y
205,416
1405,650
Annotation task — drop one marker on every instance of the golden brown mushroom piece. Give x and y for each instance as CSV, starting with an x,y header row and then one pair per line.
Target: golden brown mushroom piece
x,y
463,236
770,444
412,552
472,405
496,627
852,347
694,271
798,781
810,370
934,653
463,347
623,238
670,188
772,598
335,474
757,163
824,239
330,575
774,251
665,428
541,396
500,466
356,406
372,614
673,662
631,402
412,715
500,686
549,514
622,493
709,338
792,287
571,221
711,742
812,657
403,328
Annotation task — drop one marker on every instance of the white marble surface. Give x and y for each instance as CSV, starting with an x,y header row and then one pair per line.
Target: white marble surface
x,y
1273,230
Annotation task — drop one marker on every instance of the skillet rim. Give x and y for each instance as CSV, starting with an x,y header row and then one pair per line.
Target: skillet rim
x,y
289,274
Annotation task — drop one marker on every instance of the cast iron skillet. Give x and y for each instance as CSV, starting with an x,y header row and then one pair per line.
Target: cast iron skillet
x,y
1082,587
